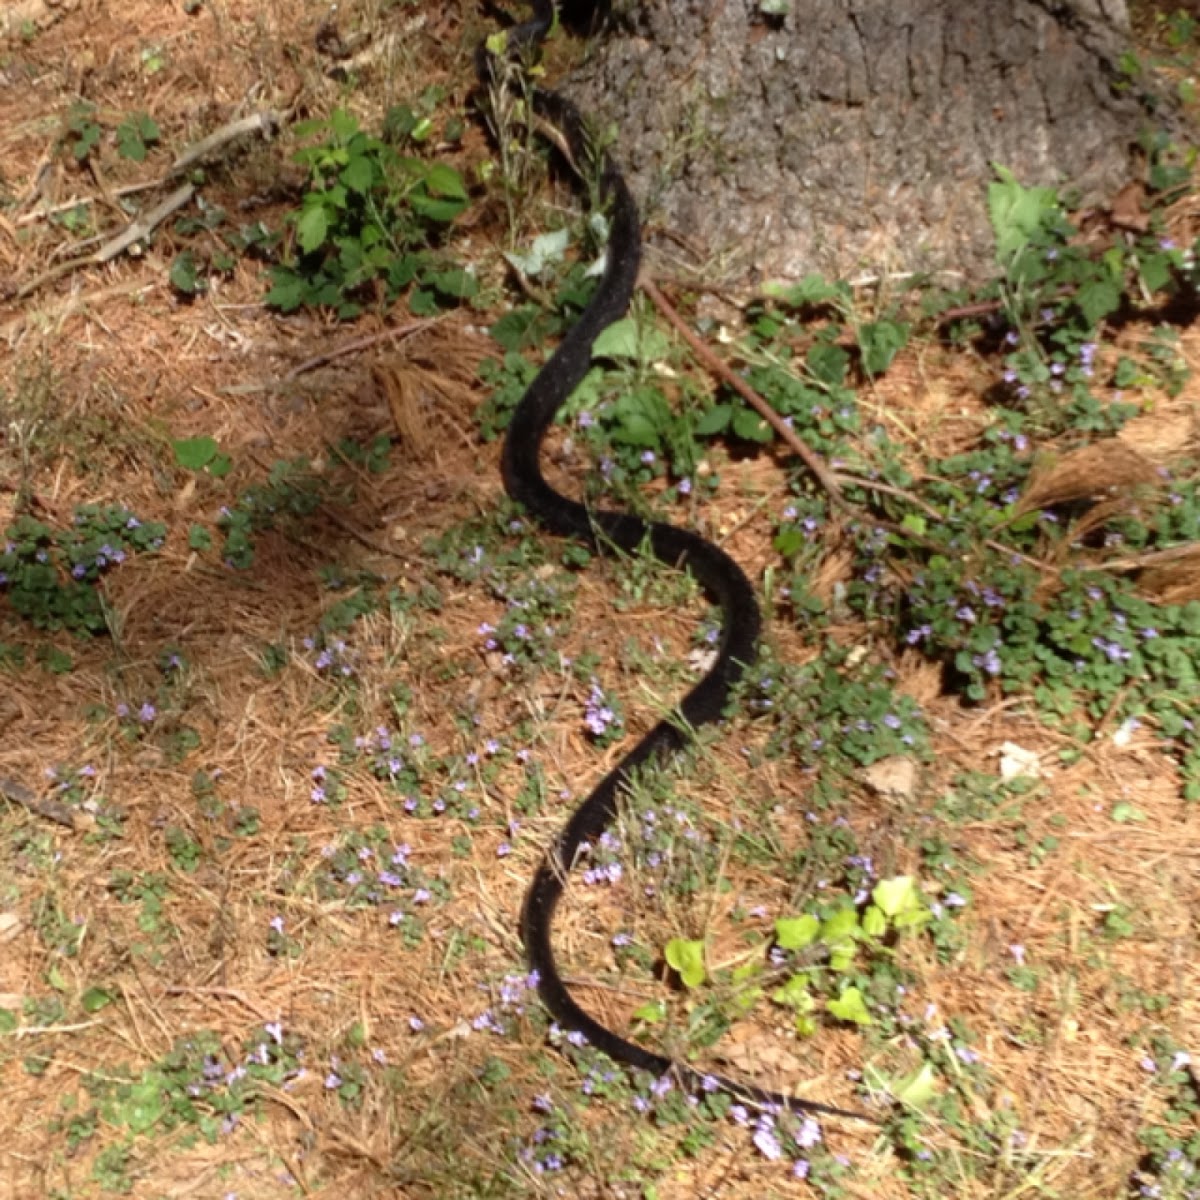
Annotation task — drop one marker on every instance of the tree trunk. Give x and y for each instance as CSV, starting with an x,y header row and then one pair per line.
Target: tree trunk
x,y
851,135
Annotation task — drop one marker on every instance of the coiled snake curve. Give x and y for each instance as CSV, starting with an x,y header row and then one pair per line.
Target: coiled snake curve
x,y
606,531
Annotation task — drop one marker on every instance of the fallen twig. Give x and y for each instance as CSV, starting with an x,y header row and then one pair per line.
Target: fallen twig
x,y
820,471
51,210
831,481
52,810
265,122
142,227
1152,558
401,332
136,231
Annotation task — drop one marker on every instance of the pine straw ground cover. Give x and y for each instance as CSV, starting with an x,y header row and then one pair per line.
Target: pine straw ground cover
x,y
271,806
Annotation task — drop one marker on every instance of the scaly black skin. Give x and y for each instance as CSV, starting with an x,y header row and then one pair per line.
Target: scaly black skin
x,y
605,531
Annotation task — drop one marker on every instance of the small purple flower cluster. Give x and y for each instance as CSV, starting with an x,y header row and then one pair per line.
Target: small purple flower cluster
x,y
604,865
269,1056
319,774
543,1153
365,875
861,873
332,657
146,712
522,634
393,757
603,721
104,556
511,1001
776,1133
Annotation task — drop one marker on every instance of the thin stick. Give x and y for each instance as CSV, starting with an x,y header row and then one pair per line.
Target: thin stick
x,y
831,481
52,810
401,332
136,231
140,228
265,122
1151,558
50,210
820,471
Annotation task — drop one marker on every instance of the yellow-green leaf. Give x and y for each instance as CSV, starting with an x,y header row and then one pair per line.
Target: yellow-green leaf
x,y
686,957
651,1013
841,956
896,895
795,994
916,1089
794,933
850,1006
874,923
630,339
842,925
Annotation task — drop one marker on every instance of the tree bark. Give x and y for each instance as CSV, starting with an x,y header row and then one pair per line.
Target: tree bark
x,y
859,135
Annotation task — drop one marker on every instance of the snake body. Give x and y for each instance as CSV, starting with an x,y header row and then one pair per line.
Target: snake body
x,y
608,531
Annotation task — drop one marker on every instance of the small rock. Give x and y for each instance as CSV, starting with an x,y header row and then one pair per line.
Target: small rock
x,y
1016,762
894,778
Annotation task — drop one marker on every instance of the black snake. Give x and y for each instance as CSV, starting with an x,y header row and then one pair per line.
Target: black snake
x,y
607,531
